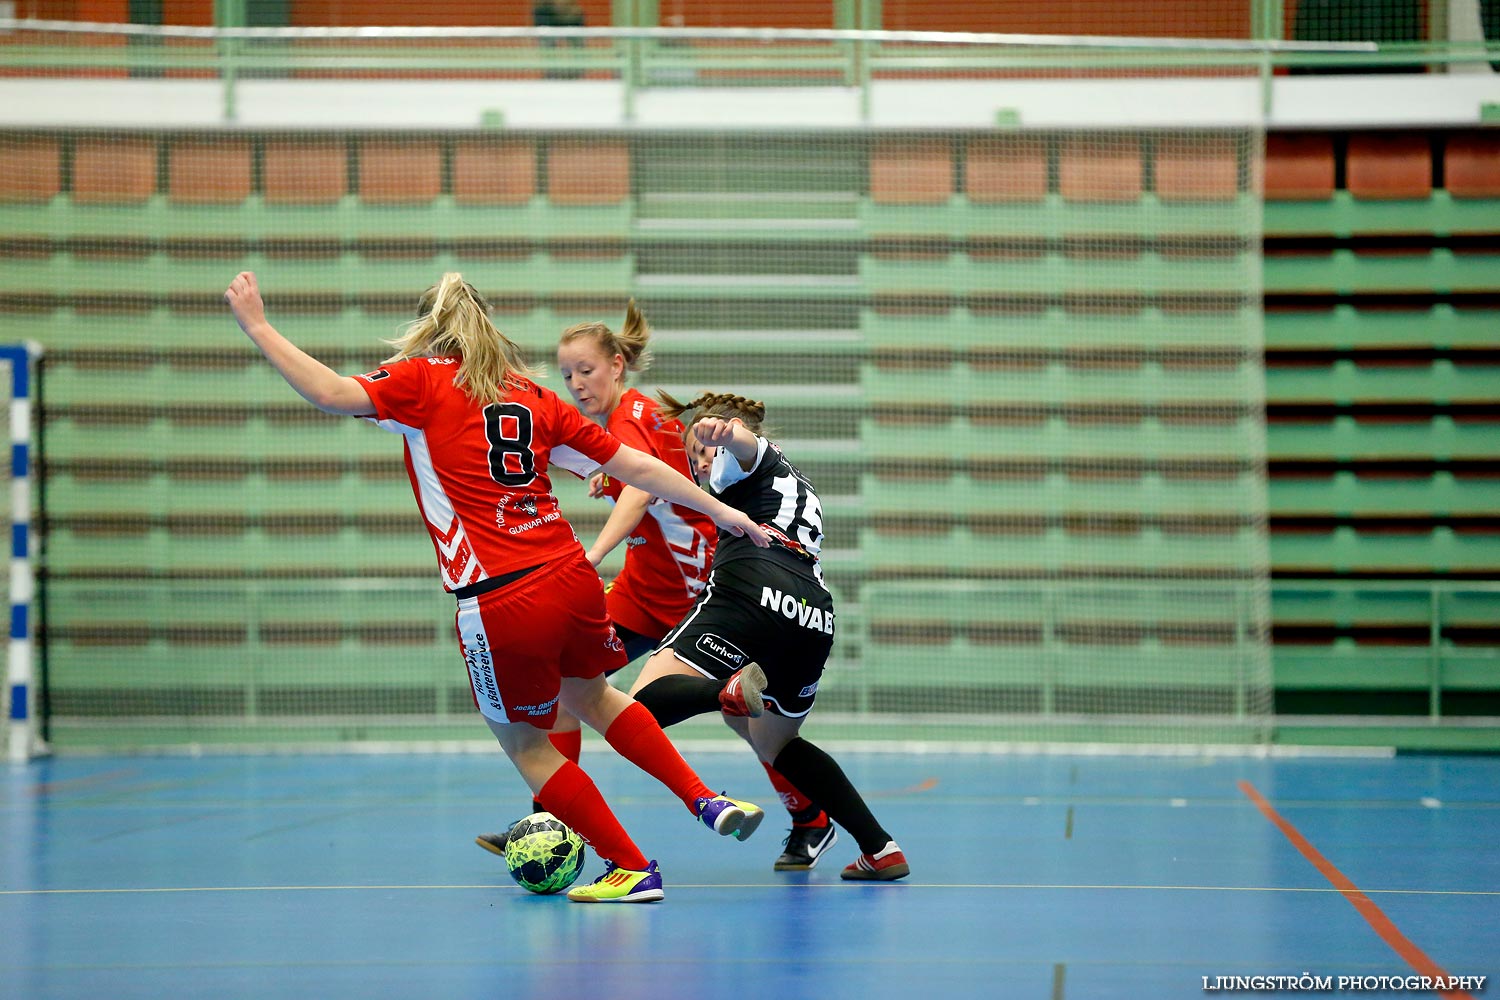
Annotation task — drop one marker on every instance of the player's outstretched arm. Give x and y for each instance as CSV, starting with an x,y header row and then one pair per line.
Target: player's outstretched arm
x,y
314,381
659,479
629,509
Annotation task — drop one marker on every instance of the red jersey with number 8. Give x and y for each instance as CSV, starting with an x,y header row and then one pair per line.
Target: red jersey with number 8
x,y
479,472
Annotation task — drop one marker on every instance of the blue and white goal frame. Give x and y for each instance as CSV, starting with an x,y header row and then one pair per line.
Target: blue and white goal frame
x,y
21,731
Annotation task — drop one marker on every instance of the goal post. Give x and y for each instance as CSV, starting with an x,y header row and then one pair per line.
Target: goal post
x,y
21,736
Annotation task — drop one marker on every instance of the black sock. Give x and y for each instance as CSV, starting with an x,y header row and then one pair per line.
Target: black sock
x,y
675,697
806,816
819,777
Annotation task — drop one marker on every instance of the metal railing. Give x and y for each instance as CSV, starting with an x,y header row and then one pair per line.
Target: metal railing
x,y
645,57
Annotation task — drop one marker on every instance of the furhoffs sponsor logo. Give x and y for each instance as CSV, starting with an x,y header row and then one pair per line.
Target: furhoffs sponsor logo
x,y
722,649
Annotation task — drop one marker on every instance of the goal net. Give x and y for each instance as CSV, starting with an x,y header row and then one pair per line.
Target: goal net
x,y
1002,302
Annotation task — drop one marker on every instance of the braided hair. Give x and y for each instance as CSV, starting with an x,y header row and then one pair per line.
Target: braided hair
x,y
724,405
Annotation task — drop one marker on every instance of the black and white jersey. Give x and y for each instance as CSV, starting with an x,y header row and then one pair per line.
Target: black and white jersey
x,y
774,493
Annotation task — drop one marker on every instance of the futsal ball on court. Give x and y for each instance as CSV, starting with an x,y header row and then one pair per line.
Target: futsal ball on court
x,y
543,855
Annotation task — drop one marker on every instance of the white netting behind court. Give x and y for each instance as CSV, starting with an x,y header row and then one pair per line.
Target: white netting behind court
x,y
1003,305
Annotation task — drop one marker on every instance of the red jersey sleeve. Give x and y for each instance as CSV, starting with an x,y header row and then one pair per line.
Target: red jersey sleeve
x,y
579,434
399,389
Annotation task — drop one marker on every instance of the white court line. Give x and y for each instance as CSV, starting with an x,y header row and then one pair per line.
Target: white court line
x,y
732,885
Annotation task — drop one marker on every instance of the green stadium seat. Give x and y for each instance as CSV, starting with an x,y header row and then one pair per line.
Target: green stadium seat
x,y
1144,329
250,495
997,634
91,549
1056,493
1345,438
1442,213
264,674
1051,381
1347,328
164,275
997,273
968,439
1213,226
1344,493
1374,635
1345,381
963,549
1347,604
1344,550
1345,272
1347,665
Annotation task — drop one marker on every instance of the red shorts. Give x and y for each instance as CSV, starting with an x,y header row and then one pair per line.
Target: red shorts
x,y
631,610
521,640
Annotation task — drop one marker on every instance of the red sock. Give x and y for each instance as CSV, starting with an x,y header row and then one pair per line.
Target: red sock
x,y
572,797
635,736
569,744
796,803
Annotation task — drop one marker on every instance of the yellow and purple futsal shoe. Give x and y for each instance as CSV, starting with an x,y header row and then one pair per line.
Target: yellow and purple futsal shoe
x,y
729,817
621,885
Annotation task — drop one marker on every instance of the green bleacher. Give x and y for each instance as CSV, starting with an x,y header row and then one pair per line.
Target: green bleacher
x,y
914,312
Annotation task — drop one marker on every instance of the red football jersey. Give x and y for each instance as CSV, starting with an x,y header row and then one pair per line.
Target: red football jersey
x,y
667,556
480,472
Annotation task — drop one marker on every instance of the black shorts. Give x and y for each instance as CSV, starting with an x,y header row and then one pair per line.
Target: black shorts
x,y
759,610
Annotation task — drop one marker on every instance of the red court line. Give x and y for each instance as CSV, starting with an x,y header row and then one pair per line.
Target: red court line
x,y
1378,921
48,787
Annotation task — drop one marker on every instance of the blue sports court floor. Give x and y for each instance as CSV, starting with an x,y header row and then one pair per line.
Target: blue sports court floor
x,y
1032,876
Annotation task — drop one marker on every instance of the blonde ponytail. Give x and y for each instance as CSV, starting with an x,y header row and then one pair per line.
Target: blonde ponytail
x,y
631,343
454,320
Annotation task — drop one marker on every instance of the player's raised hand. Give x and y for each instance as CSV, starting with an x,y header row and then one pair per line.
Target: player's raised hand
x,y
714,432
243,296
